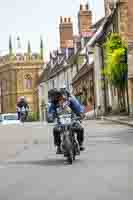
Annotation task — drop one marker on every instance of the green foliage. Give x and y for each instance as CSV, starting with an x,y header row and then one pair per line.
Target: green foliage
x,y
77,59
115,67
80,60
84,100
33,116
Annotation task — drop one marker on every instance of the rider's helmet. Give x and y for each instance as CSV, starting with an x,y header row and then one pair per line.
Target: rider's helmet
x,y
65,93
22,98
54,95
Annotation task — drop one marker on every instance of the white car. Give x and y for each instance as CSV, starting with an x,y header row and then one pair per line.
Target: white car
x,y
9,118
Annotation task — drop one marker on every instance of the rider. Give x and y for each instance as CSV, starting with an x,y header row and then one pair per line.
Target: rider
x,y
58,97
22,103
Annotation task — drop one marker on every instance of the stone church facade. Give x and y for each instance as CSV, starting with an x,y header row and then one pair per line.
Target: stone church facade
x,y
19,73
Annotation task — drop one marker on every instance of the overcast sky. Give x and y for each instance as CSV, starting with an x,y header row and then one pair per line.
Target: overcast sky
x,y
31,18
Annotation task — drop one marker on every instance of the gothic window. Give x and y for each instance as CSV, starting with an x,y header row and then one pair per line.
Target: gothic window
x,y
28,81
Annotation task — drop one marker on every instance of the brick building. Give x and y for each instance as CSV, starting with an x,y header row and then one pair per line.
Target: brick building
x,y
84,19
66,33
130,21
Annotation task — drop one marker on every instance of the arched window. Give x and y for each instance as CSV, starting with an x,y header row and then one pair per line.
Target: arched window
x,y
28,81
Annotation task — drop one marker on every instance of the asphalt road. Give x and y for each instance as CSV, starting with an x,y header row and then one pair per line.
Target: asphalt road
x,y
104,171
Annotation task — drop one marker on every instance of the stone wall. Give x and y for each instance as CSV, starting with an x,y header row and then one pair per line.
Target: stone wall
x,y
13,78
121,19
130,25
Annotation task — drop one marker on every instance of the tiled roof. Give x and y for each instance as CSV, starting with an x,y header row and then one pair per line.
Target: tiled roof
x,y
44,75
85,69
98,23
56,68
60,66
101,31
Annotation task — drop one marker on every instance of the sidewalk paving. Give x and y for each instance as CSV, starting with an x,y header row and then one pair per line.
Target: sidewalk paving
x,y
125,120
119,119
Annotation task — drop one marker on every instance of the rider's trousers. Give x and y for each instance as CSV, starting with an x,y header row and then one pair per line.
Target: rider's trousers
x,y
57,137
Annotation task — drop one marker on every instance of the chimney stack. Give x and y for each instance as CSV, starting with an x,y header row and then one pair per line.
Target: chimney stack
x,y
65,20
66,33
84,19
87,6
69,19
61,20
81,7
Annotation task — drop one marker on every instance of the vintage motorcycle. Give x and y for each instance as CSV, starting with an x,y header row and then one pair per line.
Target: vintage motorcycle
x,y
23,114
69,143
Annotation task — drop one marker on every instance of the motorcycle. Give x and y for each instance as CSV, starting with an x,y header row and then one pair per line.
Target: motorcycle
x,y
23,114
69,143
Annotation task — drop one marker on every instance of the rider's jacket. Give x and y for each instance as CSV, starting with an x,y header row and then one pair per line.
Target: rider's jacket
x,y
22,104
72,102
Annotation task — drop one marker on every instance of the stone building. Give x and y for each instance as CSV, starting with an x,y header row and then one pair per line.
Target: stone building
x,y
130,54
120,19
43,92
83,86
19,73
117,11
62,71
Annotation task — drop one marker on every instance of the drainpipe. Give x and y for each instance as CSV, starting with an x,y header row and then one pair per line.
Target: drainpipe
x,y
128,107
104,81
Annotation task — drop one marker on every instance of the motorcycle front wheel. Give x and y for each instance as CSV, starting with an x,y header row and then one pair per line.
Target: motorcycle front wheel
x,y
70,157
68,149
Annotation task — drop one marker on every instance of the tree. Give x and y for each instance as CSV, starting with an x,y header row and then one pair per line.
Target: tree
x,y
116,67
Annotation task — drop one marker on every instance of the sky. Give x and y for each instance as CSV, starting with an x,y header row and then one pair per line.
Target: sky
x,y
30,19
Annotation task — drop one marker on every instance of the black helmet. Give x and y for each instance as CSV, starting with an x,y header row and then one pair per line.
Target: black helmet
x,y
54,95
65,92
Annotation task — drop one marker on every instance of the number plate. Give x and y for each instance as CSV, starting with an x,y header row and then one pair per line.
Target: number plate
x,y
66,120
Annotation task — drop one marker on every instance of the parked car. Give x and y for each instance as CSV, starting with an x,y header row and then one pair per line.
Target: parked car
x,y
9,118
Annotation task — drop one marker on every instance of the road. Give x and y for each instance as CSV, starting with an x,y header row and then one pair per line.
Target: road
x,y
104,171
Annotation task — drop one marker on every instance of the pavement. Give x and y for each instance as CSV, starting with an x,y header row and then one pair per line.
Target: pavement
x,y
102,172
125,120
16,138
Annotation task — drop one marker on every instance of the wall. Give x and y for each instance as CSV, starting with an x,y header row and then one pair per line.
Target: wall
x,y
66,33
84,19
14,74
